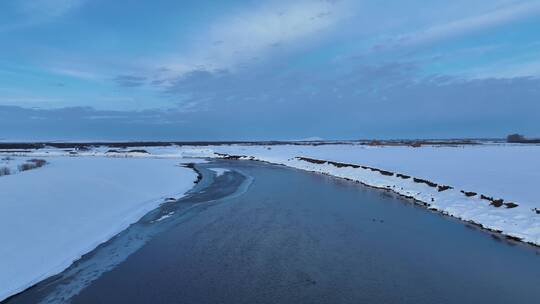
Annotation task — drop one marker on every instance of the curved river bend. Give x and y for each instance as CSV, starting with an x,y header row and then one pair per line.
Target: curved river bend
x,y
262,233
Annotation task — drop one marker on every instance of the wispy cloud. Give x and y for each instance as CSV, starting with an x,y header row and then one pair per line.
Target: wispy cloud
x,y
76,73
130,80
32,101
48,9
506,69
251,34
466,26
35,12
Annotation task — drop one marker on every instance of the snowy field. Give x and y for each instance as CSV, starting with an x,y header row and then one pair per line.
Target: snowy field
x,y
52,215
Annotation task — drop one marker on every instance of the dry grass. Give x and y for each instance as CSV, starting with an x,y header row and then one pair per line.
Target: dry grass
x,y
33,163
5,171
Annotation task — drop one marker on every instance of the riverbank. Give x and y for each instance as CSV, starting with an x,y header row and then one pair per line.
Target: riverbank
x,y
493,186
51,216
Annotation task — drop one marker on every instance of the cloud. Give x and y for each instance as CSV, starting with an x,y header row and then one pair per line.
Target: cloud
x,y
32,101
394,93
250,37
466,26
274,53
75,73
48,9
435,107
255,32
35,12
130,80
505,69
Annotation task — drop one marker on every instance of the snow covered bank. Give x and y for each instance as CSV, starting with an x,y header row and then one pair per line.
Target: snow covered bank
x,y
495,186
51,216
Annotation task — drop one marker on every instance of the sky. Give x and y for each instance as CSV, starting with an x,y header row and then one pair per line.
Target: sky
x,y
260,70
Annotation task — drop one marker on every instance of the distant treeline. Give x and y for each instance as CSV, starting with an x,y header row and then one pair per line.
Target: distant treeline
x,y
518,138
22,146
82,146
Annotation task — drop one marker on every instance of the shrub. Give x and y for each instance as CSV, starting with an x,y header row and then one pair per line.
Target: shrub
x,y
511,205
26,167
38,162
32,164
5,171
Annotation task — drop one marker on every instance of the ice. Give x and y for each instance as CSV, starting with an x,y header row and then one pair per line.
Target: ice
x,y
219,171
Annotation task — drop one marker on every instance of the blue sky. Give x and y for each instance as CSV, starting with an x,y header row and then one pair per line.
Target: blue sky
x,y
212,70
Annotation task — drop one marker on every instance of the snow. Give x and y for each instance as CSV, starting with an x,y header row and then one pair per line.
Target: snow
x,y
11,164
509,172
173,151
219,171
166,216
51,216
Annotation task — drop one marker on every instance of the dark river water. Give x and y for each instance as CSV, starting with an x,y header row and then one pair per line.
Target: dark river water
x,y
269,234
